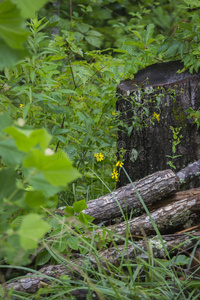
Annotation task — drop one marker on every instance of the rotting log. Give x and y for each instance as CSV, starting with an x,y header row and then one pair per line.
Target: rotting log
x,y
174,243
152,189
160,89
169,218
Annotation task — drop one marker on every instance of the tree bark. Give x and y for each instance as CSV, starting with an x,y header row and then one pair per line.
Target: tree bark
x,y
174,243
169,218
151,189
158,89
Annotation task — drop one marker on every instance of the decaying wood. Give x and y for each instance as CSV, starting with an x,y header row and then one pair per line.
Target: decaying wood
x,y
151,188
188,173
173,243
167,218
159,89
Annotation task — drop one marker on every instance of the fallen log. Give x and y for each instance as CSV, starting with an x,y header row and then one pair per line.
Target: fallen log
x,y
168,218
174,243
151,188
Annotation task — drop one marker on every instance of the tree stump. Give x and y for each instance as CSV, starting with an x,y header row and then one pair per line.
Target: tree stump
x,y
152,118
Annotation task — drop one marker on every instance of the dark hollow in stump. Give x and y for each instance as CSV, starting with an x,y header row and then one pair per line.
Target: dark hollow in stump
x,y
156,99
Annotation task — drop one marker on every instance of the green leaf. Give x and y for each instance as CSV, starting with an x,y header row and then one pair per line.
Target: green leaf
x,y
69,211
9,152
5,120
39,183
57,168
31,230
73,242
12,25
82,27
149,33
26,139
7,183
42,258
94,41
83,218
35,198
137,34
94,33
28,8
79,206
138,44
173,49
9,56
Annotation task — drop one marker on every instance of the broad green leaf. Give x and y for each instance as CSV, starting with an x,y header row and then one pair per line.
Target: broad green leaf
x,y
12,25
42,258
94,33
28,8
31,230
26,139
83,218
57,168
9,56
73,242
13,252
7,183
39,183
5,120
35,198
82,27
69,211
79,206
93,40
9,152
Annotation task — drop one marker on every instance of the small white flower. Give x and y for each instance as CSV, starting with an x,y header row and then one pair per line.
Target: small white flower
x,y
21,122
48,152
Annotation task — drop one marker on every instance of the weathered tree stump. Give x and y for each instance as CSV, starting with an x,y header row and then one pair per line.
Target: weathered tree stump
x,y
156,99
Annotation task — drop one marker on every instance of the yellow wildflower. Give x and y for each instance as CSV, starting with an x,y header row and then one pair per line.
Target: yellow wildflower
x,y
119,164
156,116
114,113
99,156
21,105
115,174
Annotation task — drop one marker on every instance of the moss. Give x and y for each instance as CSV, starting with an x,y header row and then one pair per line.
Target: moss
x,y
179,114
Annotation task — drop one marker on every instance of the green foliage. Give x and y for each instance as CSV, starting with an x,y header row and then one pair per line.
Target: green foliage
x,y
13,15
194,116
60,101
176,140
30,180
73,99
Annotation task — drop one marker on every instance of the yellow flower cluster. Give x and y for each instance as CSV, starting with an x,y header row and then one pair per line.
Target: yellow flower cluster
x,y
21,105
156,116
115,174
99,156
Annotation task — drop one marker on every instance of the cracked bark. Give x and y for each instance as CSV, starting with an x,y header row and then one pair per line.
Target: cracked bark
x,y
169,218
152,189
146,149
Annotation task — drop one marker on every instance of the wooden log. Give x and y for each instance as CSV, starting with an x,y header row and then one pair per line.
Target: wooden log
x,y
151,188
168,218
158,89
174,243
